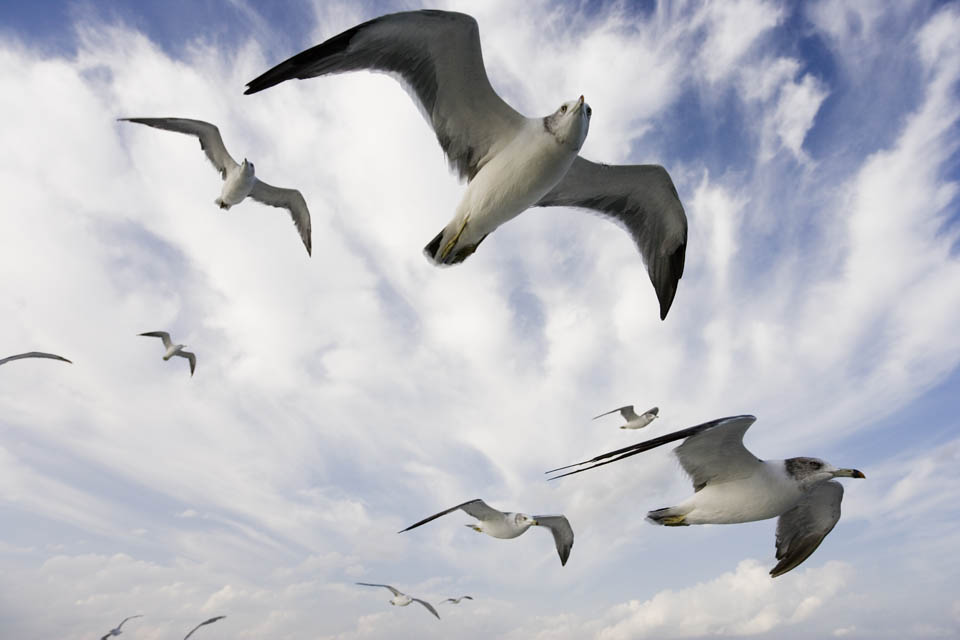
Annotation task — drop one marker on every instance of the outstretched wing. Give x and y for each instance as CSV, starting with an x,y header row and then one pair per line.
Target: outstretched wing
x,y
386,586
717,454
205,622
191,357
428,606
653,443
476,508
643,199
801,529
210,140
562,534
33,354
163,335
626,412
438,57
289,199
124,621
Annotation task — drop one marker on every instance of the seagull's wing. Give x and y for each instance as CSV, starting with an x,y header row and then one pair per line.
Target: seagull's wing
x,y
717,454
643,199
629,414
210,621
428,606
562,534
646,445
654,411
476,508
453,600
209,135
192,357
437,56
467,597
623,412
801,529
33,354
289,199
371,584
120,626
163,335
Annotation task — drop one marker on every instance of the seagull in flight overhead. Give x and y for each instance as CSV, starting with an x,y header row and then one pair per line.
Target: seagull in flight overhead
x,y
33,354
633,420
116,630
501,524
205,622
732,485
457,600
173,349
239,181
511,162
401,599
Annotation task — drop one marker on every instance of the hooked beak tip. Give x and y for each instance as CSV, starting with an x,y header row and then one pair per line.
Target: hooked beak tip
x,y
581,98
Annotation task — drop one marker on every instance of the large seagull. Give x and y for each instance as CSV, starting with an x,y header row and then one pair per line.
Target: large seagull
x,y
732,485
511,162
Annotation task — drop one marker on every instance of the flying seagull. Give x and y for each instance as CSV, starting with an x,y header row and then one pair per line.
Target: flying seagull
x,y
173,349
510,525
401,599
33,354
511,162
239,180
732,485
205,622
116,630
457,600
633,420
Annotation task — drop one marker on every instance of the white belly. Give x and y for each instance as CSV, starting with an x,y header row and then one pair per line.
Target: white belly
x,y
236,187
513,181
765,495
502,528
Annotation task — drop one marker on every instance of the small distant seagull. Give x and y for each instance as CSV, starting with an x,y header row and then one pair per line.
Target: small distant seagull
x,y
239,179
732,485
116,630
501,524
633,420
511,162
457,600
210,621
401,599
33,354
173,349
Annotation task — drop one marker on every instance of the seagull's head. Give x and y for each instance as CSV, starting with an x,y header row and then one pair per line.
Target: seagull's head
x,y
247,167
569,124
811,471
522,520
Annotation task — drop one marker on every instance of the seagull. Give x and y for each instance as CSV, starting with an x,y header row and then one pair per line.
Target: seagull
x,y
732,485
511,162
33,354
457,600
633,420
401,599
239,180
210,621
116,630
501,524
173,349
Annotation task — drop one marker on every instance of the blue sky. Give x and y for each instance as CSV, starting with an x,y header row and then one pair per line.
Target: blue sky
x,y
340,398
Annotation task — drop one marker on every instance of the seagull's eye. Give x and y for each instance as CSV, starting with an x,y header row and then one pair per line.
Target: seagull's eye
x,y
589,112
563,108
815,465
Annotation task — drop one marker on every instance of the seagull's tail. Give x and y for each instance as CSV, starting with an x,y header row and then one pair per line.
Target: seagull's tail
x,y
444,250
220,203
668,517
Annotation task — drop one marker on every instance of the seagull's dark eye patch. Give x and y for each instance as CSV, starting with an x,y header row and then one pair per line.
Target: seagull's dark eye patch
x,y
563,108
815,465
589,112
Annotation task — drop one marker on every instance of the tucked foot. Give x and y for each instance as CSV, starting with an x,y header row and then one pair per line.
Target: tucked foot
x,y
667,517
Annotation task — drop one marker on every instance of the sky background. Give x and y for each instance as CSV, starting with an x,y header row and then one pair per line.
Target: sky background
x,y
340,398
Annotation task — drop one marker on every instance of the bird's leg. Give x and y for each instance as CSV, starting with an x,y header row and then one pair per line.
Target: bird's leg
x,y
474,527
447,248
673,521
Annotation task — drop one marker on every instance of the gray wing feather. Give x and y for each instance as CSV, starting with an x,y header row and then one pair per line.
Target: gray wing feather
x,y
437,55
33,354
205,622
717,454
289,199
428,606
801,529
210,140
386,586
562,534
629,407
191,357
163,335
644,200
476,508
